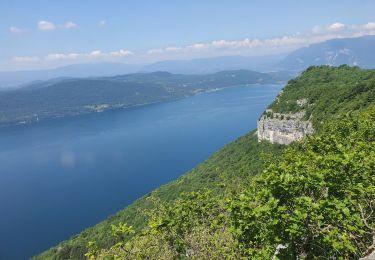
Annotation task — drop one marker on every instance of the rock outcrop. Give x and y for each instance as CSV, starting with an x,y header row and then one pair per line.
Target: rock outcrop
x,y
369,257
283,128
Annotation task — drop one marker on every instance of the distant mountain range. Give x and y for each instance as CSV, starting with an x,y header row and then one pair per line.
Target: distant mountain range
x,y
212,65
195,66
352,51
9,79
72,96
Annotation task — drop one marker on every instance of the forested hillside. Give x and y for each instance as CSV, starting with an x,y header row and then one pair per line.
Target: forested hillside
x,y
257,200
70,97
327,92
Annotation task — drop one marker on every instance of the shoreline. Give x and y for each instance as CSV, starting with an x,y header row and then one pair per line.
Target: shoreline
x,y
117,107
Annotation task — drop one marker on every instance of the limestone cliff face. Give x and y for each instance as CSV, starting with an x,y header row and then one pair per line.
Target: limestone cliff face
x,y
283,128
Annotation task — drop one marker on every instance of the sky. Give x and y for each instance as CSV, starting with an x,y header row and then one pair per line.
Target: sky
x,y
43,34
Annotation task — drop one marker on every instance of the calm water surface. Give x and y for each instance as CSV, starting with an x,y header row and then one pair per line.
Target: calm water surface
x,y
60,176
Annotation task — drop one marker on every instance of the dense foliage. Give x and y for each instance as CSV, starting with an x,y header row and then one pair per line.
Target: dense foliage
x,y
317,199
311,200
329,92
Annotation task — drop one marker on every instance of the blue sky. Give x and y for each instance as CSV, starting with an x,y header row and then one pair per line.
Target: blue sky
x,y
44,34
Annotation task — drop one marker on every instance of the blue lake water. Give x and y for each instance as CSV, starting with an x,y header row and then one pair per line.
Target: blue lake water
x,y
60,176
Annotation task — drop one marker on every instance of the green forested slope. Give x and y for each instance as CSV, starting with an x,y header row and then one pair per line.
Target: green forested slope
x,y
219,208
70,97
329,92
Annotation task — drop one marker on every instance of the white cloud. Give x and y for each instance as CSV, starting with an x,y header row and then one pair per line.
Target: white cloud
x,y
50,26
222,47
46,26
61,56
336,27
120,53
102,23
98,54
69,25
74,57
173,49
370,26
16,30
265,46
95,54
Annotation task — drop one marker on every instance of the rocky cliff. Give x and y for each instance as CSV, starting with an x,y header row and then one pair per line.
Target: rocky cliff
x,y
283,128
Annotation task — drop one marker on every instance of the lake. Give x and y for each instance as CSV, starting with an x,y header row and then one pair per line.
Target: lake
x,y
60,176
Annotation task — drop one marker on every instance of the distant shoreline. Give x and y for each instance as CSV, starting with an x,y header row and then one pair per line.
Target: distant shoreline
x,y
117,107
